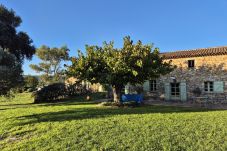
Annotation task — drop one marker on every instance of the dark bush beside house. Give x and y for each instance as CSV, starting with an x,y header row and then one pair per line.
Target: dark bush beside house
x,y
50,93
59,91
76,89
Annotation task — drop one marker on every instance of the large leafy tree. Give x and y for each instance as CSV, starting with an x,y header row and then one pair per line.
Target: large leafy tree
x,y
51,65
10,72
16,42
133,63
15,47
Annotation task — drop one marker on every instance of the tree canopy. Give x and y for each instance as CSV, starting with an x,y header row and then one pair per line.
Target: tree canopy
x,y
15,46
10,72
17,42
51,65
133,63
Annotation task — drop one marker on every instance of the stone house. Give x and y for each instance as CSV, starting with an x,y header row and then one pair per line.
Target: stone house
x,y
97,87
199,73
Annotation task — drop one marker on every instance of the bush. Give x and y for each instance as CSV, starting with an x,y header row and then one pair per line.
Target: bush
x,y
19,89
50,93
76,89
123,104
30,82
30,90
58,91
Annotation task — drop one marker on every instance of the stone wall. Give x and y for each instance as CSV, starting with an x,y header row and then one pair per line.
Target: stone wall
x,y
97,87
201,61
210,68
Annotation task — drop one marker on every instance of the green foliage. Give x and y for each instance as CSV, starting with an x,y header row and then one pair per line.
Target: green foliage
x,y
14,47
133,63
50,66
50,93
18,43
30,90
10,72
58,91
81,125
31,82
76,89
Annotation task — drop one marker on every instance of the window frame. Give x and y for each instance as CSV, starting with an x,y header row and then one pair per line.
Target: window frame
x,y
153,85
191,64
176,88
209,86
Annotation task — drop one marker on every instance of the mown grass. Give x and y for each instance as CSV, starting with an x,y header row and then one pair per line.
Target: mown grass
x,y
80,125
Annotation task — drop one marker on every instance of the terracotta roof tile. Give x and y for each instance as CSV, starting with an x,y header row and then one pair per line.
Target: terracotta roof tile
x,y
196,53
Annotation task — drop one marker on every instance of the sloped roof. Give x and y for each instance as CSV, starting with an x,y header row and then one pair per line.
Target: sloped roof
x,y
196,53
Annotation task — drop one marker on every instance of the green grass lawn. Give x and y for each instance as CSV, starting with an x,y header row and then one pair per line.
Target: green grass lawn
x,y
80,125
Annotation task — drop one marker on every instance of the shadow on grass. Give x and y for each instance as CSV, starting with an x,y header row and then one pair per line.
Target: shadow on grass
x,y
76,100
101,112
65,102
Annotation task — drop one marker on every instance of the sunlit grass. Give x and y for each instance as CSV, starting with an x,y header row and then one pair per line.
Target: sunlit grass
x,y
82,125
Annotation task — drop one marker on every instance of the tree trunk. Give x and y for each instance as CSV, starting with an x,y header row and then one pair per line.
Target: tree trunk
x,y
117,94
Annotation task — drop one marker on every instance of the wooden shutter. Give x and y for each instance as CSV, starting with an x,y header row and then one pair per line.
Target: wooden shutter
x,y
183,91
146,86
219,86
167,91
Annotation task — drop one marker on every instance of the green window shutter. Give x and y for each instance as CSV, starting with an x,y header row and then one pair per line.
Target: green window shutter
x,y
167,91
146,86
219,86
183,91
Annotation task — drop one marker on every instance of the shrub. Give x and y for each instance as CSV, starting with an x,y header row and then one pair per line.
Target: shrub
x,y
31,82
50,93
58,91
123,104
19,89
30,90
76,89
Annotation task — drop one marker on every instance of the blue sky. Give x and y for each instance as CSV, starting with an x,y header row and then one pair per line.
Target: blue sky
x,y
170,25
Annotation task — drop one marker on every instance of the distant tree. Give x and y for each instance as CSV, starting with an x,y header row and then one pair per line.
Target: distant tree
x,y
51,65
134,63
31,82
15,47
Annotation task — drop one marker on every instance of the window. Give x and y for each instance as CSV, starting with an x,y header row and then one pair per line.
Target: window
x,y
175,89
191,63
153,85
208,86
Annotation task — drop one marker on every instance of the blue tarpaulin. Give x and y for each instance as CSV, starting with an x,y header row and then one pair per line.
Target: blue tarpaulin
x,y
138,98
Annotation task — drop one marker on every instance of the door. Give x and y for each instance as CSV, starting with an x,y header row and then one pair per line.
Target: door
x,y
175,91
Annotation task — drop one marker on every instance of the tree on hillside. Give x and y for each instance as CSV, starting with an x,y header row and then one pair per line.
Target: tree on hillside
x,y
134,63
51,65
15,47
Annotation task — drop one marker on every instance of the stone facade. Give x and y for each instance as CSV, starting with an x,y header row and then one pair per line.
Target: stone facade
x,y
97,87
206,69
